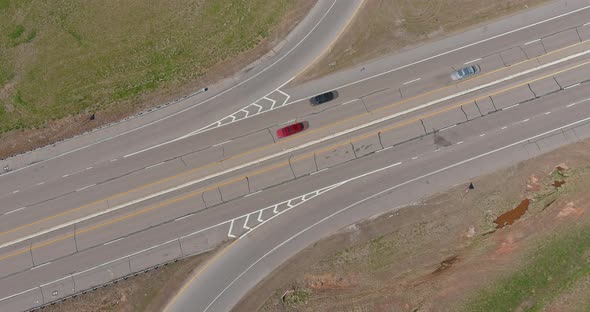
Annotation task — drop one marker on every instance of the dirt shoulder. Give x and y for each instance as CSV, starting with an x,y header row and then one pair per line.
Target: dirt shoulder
x,y
385,27
519,241
58,67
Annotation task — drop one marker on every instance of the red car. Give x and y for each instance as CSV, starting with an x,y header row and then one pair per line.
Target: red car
x,y
291,129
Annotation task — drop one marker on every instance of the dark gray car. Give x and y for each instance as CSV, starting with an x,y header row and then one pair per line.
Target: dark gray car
x,y
323,98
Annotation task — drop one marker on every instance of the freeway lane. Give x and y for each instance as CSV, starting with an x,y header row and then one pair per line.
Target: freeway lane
x,y
77,166
431,156
239,267
84,186
426,122
79,191
102,230
309,39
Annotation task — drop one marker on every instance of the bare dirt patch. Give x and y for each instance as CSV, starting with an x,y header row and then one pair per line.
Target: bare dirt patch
x,y
386,26
447,254
146,292
47,118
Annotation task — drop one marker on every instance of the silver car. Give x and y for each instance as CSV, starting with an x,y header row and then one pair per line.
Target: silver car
x,y
465,72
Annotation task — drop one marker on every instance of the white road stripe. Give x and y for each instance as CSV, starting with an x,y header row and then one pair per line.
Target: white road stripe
x,y
15,210
482,134
219,144
245,226
113,241
472,61
454,50
379,194
411,81
447,128
184,217
460,142
349,102
382,150
40,265
533,41
286,122
40,183
156,165
578,102
190,107
231,227
295,148
81,189
248,195
15,191
318,171
503,128
511,106
547,113
260,216
415,157
572,86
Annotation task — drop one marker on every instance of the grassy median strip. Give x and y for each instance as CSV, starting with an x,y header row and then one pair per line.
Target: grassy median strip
x,y
67,57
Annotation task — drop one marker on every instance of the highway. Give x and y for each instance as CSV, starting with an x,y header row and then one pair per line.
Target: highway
x,y
202,171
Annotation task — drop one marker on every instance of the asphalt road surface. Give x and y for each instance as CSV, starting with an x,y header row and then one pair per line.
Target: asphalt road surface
x,y
183,179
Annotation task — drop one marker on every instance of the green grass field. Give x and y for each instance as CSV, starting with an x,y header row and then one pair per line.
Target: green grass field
x,y
551,270
65,57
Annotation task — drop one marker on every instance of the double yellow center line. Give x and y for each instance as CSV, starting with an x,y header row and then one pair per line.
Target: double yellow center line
x,y
267,169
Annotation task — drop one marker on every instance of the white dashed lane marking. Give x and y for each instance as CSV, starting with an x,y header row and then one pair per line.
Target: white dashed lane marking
x,y
412,81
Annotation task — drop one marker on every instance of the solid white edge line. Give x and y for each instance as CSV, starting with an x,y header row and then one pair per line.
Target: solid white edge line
x,y
383,192
455,50
186,109
293,149
532,41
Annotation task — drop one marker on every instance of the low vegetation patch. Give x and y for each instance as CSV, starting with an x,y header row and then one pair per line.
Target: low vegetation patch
x,y
67,57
